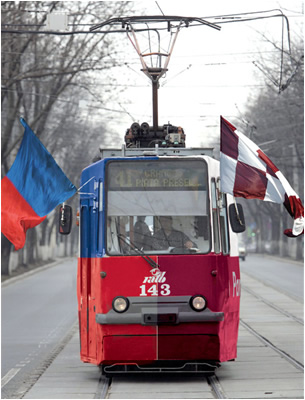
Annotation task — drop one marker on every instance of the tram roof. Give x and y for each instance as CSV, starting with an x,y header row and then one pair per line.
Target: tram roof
x,y
156,151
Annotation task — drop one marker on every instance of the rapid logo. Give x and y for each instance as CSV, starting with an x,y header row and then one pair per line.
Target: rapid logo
x,y
157,277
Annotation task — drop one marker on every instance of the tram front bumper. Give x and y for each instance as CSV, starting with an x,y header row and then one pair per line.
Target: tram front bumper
x,y
155,311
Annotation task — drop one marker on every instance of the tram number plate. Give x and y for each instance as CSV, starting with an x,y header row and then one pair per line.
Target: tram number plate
x,y
160,319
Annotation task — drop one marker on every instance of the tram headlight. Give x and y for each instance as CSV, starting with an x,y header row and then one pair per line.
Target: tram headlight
x,y
120,304
198,303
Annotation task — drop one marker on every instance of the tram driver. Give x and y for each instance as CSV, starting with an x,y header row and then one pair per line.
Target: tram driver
x,y
142,235
167,236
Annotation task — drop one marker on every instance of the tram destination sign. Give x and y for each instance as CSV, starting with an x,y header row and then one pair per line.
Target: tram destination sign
x,y
159,175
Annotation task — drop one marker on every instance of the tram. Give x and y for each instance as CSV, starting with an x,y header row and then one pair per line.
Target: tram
x,y
158,282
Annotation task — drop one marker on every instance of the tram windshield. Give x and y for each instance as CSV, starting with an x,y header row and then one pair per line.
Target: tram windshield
x,y
157,207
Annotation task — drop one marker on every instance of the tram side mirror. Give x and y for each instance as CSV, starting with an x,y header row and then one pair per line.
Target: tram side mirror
x,y
65,219
237,218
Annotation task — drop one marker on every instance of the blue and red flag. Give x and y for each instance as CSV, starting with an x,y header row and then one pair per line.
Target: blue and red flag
x,y
32,188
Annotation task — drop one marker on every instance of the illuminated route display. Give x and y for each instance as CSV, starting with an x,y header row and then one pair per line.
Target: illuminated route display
x,y
157,175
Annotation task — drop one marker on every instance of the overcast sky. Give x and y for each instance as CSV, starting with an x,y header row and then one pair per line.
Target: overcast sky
x,y
211,73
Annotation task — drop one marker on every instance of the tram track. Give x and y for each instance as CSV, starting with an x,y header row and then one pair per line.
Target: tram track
x,y
272,305
216,387
297,364
104,386
268,343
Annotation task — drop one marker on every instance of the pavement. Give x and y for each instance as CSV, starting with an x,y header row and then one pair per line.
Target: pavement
x,y
67,377
259,371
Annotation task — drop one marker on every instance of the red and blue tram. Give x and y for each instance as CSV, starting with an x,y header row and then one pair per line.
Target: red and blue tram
x,y
158,281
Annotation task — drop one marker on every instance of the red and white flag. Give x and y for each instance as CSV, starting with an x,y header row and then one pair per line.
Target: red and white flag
x,y
246,171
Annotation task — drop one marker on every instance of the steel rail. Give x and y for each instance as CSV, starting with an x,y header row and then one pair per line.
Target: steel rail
x,y
272,305
267,342
216,387
103,387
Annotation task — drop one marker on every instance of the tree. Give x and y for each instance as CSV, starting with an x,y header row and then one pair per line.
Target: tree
x,y
277,126
43,79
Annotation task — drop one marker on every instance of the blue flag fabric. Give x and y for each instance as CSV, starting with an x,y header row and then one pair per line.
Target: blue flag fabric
x,y
32,188
37,177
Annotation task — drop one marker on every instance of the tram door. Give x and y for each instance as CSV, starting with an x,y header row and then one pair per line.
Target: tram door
x,y
84,279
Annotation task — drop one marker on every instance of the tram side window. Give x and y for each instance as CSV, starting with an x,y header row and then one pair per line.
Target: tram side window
x,y
84,217
215,218
88,230
224,229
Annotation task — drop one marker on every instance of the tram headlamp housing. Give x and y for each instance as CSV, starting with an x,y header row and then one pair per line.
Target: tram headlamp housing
x,y
198,303
120,304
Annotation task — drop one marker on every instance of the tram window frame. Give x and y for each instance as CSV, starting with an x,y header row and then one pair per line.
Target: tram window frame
x,y
224,225
207,203
84,229
215,218
101,225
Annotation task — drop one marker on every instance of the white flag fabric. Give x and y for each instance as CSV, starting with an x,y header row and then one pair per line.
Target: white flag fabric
x,y
246,171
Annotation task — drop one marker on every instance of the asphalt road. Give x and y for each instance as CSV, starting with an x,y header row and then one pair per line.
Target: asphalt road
x,y
282,274
37,312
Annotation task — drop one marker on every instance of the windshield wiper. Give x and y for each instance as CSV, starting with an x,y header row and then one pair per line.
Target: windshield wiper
x,y
148,259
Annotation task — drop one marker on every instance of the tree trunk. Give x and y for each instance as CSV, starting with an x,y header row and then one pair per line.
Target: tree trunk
x,y
275,248
31,244
6,246
300,249
44,226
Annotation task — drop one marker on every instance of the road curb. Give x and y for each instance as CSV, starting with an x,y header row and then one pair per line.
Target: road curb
x,y
34,271
44,365
278,258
